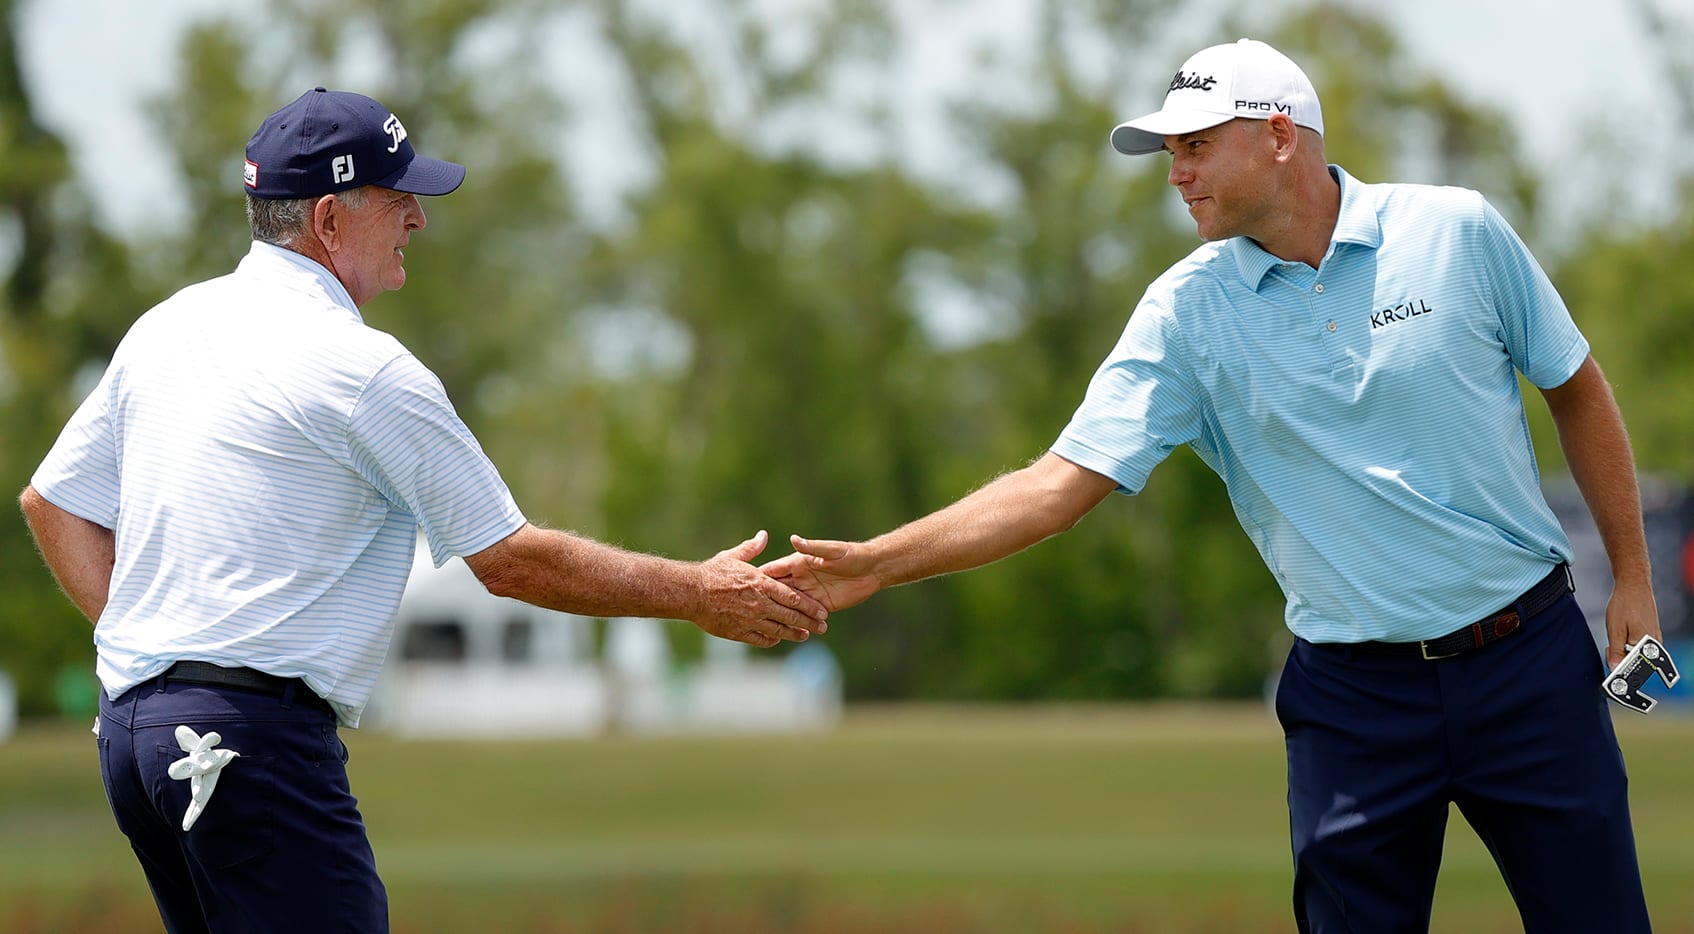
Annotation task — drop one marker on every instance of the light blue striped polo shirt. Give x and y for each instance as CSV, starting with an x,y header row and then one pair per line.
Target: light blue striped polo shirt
x,y
266,460
1366,416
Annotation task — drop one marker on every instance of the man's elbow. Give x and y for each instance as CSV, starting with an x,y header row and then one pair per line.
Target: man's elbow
x,y
506,568
29,501
496,573
1067,522
37,510
503,582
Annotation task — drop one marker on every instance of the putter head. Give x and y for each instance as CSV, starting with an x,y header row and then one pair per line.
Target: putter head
x,y
1645,659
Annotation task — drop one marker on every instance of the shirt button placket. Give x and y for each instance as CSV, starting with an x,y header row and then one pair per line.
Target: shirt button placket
x,y
1318,288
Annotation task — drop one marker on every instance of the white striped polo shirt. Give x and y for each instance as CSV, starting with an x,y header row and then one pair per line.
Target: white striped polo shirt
x,y
266,460
1366,416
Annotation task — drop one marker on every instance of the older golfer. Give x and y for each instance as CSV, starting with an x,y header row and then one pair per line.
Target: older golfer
x,y
236,505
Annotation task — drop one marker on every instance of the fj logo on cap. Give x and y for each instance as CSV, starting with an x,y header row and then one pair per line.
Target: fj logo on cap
x,y
395,131
250,174
342,169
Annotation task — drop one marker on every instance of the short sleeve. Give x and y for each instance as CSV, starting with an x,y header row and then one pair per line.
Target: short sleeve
x,y
408,442
1141,404
1544,343
80,472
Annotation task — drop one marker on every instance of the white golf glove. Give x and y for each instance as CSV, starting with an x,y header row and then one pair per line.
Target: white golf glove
x,y
200,767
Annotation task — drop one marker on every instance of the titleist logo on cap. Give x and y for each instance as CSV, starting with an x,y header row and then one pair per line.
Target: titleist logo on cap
x,y
1183,81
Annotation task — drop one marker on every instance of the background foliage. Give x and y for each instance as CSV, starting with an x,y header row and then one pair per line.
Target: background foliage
x,y
782,323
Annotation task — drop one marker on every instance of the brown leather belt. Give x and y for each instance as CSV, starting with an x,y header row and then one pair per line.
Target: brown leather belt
x,y
1532,603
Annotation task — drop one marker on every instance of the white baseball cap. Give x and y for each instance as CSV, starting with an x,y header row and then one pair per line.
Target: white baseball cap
x,y
1218,84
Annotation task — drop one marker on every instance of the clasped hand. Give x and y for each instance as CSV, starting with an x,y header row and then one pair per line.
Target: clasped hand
x,y
747,605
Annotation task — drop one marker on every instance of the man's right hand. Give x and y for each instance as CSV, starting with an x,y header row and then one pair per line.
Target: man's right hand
x,y
743,603
836,574
723,595
1004,516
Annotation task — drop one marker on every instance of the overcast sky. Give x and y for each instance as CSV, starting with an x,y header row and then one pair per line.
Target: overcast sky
x,y
1575,74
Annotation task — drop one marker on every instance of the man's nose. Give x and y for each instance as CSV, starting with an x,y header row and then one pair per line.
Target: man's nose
x,y
417,221
1179,172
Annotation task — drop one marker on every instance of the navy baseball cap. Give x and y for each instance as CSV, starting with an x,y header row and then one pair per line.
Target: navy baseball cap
x,y
330,141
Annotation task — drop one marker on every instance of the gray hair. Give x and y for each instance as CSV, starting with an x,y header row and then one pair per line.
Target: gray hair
x,y
281,221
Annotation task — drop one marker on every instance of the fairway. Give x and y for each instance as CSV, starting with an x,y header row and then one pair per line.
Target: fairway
x,y
1044,818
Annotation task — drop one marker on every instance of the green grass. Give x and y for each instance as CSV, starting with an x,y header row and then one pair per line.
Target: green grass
x,y
1037,819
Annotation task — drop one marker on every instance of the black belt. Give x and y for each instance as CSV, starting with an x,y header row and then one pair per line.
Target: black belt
x,y
1533,602
245,679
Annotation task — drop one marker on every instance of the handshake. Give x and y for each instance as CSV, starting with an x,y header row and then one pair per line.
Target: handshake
x,y
792,597
789,598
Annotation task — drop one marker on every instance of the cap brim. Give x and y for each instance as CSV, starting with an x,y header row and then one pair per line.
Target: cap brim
x,y
1147,134
425,176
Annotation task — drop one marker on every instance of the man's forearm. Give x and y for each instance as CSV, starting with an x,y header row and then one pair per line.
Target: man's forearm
x,y
724,595
80,553
1597,451
1005,516
562,571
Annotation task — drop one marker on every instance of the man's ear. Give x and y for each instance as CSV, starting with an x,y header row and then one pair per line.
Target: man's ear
x,y
1286,134
327,214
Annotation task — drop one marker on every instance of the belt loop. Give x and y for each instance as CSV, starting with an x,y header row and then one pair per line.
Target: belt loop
x,y
288,692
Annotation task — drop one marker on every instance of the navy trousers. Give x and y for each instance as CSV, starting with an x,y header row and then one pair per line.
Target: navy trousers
x,y
1517,734
280,847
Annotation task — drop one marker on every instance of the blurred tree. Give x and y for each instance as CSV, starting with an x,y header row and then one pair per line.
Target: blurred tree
x,y
505,241
1631,293
780,300
489,299
1388,120
1156,594
1162,594
1629,288
806,392
67,291
782,324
